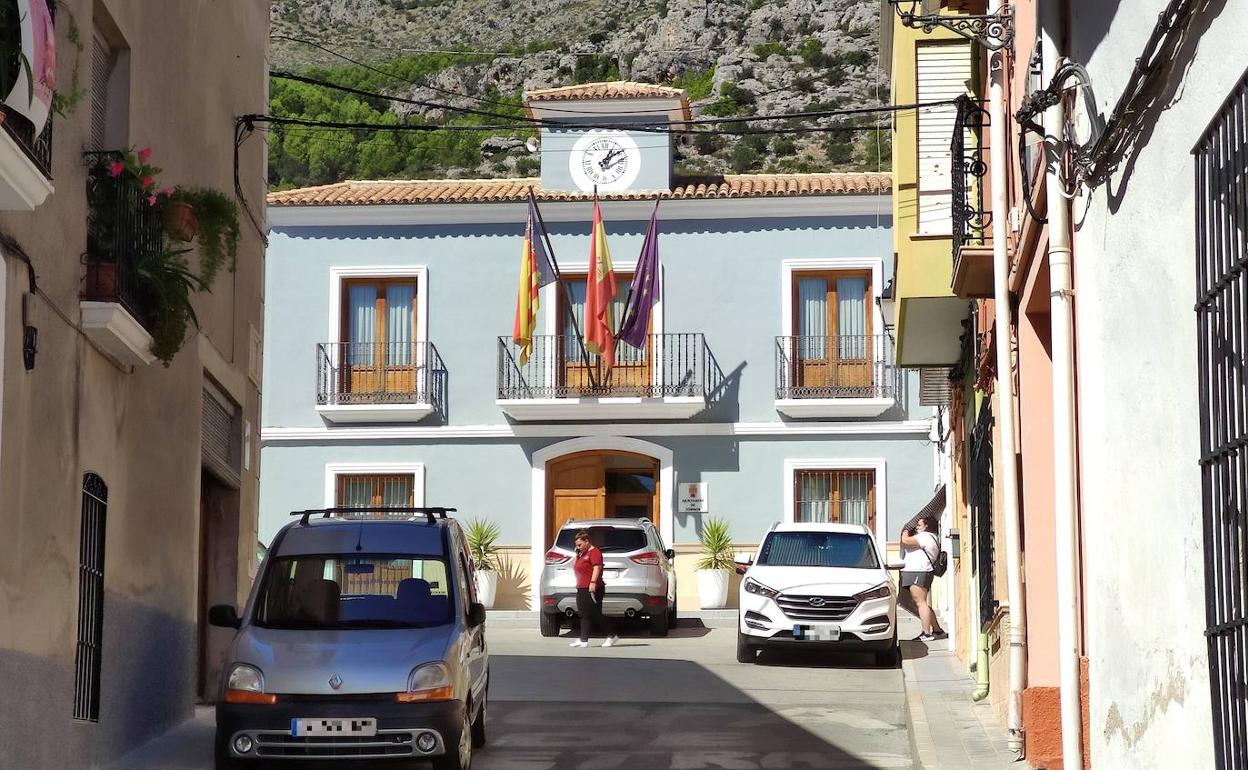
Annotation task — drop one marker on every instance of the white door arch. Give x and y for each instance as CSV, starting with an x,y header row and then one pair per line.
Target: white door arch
x,y
541,457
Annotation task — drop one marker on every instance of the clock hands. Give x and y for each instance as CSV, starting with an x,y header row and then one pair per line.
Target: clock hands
x,y
606,161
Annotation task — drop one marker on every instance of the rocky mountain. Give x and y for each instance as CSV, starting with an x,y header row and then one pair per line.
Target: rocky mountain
x,y
734,57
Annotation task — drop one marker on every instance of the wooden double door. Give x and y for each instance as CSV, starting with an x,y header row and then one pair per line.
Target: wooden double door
x,y
600,485
834,347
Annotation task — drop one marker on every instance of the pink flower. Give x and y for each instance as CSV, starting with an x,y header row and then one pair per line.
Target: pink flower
x,y
151,200
147,182
167,192
144,154
115,168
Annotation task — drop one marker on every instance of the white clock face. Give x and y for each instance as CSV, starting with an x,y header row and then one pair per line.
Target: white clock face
x,y
609,160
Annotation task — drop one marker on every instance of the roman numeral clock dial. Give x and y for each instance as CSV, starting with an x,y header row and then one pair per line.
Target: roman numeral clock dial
x,y
609,160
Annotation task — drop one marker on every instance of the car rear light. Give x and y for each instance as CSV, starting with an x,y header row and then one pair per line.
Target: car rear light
x,y
554,557
656,600
649,557
548,601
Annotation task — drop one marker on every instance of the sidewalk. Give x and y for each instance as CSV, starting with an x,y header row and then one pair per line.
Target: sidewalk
x,y
950,731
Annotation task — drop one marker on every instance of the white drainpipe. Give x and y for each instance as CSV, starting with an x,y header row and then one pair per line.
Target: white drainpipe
x,y
1006,416
1061,309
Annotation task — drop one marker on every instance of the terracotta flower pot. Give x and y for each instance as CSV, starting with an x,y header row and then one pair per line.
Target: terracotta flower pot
x,y
180,221
101,283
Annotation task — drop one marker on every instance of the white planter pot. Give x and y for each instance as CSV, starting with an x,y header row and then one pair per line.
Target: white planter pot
x,y
487,587
713,588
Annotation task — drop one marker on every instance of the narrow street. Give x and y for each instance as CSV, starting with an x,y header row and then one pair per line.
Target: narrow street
x,y
681,702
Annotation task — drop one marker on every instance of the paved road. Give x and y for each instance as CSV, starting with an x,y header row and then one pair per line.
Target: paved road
x,y
679,703
684,703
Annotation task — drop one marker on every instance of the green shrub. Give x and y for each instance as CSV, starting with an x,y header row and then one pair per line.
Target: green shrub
x,y
717,551
763,50
743,158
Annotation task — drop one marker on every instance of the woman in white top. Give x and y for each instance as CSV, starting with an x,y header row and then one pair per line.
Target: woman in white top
x,y
919,549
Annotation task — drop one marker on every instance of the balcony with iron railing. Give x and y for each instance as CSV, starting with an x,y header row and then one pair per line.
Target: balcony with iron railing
x,y
379,381
847,375
972,248
25,151
124,234
670,378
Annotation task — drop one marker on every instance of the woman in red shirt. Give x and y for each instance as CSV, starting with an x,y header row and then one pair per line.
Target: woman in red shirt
x,y
589,590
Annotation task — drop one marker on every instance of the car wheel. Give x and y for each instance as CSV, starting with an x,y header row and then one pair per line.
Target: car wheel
x,y
671,616
746,652
478,724
549,623
458,756
658,624
888,658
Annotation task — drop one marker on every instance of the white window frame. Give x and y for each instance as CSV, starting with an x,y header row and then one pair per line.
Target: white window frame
x,y
334,470
419,273
875,464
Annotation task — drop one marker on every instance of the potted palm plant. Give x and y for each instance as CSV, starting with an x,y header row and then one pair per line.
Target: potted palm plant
x,y
716,564
482,539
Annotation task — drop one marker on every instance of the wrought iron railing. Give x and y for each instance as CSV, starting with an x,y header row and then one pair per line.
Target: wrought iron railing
x,y
37,147
983,553
840,366
668,365
967,170
123,234
350,373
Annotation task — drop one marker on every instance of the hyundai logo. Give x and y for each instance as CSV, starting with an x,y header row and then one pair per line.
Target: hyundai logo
x,y
816,601
335,681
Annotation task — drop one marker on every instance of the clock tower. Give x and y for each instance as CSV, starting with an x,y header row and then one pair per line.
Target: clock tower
x,y
617,136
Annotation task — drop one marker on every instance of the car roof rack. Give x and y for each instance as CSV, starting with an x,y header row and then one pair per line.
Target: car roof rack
x,y
431,513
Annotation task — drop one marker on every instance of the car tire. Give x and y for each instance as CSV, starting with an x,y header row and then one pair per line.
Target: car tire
x,y
671,616
746,652
658,624
549,624
458,756
478,725
888,658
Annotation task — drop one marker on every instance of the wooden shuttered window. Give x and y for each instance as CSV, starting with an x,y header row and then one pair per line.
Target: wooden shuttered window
x,y
944,73
373,490
837,496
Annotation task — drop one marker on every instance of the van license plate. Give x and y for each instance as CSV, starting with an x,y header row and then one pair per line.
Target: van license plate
x,y
610,573
318,727
820,633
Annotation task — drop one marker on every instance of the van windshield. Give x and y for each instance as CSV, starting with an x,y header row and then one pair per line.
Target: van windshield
x,y
335,592
607,539
818,549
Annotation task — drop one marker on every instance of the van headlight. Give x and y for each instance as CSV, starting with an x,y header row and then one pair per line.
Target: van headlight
x,y
752,586
430,682
882,591
245,684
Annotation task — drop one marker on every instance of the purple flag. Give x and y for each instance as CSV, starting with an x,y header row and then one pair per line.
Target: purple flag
x,y
644,291
546,272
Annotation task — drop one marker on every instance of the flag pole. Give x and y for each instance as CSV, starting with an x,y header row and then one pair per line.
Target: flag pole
x,y
550,251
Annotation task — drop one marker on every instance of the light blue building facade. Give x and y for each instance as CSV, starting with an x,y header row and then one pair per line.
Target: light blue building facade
x,y
765,392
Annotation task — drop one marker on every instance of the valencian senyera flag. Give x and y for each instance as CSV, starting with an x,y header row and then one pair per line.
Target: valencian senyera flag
x,y
599,291
644,291
536,270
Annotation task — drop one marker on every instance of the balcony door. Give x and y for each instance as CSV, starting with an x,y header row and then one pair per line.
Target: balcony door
x,y
833,348
631,374
379,330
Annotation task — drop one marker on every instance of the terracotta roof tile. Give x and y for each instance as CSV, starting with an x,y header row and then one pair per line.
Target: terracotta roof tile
x,y
615,89
428,191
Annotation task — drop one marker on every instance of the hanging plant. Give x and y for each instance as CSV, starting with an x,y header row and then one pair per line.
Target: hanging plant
x,y
167,284
216,223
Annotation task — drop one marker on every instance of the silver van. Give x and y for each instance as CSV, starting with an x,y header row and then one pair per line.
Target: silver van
x,y
639,574
362,640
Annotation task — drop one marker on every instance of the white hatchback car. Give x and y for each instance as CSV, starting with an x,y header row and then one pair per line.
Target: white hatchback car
x,y
822,586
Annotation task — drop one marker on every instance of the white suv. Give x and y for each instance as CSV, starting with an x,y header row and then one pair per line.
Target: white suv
x,y
823,586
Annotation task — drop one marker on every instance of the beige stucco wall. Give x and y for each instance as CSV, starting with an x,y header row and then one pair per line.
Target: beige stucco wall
x,y
193,66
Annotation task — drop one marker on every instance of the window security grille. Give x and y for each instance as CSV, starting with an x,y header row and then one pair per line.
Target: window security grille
x,y
90,599
981,506
845,497
374,490
1221,318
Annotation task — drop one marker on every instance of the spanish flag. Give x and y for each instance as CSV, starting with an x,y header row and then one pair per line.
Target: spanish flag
x,y
599,291
536,270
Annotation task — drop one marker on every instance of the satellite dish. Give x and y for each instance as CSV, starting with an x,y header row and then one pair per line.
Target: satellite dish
x,y
531,144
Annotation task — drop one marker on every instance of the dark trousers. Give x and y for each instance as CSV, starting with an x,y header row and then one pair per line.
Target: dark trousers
x,y
590,609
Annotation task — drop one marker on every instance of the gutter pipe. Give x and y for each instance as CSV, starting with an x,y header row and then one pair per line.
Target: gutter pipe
x,y
1061,308
981,669
1006,415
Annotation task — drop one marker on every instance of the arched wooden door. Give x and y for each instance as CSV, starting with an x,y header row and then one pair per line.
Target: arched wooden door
x,y
600,484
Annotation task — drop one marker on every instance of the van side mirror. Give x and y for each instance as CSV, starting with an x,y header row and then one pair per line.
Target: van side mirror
x,y
897,565
670,553
476,614
224,615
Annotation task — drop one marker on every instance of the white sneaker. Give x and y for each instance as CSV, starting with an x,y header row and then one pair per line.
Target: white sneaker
x,y
579,643
610,641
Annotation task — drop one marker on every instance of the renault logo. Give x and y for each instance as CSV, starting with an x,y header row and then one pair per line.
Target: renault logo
x,y
816,601
335,681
